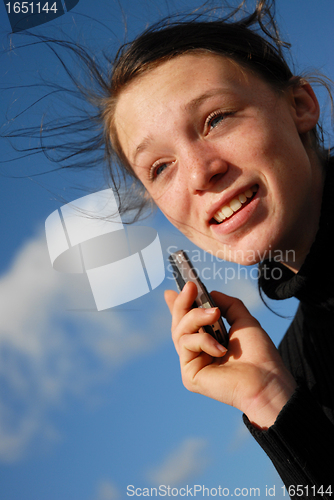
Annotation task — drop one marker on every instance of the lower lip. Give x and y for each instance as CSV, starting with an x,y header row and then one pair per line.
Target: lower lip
x,y
238,219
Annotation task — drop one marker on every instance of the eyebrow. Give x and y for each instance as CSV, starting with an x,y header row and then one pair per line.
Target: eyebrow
x,y
142,146
190,107
197,101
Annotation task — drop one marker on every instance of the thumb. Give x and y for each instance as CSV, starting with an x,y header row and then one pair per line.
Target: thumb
x,y
234,310
170,297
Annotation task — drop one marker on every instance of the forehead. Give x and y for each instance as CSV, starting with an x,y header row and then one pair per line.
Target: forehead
x,y
181,76
173,88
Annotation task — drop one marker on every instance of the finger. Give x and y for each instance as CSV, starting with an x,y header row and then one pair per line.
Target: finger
x,y
191,322
170,297
191,345
183,303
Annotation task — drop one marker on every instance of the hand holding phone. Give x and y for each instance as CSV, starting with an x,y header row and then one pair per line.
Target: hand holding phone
x,y
183,272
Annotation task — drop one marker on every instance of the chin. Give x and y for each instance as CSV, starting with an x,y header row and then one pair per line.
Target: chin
x,y
247,255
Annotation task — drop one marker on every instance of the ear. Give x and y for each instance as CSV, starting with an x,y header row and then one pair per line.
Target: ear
x,y
306,110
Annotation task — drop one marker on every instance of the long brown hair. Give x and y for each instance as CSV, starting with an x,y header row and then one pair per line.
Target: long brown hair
x,y
251,39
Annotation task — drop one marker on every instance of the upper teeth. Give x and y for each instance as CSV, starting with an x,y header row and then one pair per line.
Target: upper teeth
x,y
227,210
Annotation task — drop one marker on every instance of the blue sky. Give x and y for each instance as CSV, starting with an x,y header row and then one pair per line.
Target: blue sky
x,y
93,402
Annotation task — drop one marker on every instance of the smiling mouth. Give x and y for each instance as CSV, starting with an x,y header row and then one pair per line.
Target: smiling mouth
x,y
240,201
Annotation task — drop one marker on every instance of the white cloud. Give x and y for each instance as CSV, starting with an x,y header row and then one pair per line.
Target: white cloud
x,y
190,458
49,342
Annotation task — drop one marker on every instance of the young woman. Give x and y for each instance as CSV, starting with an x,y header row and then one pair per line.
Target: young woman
x,y
223,137
207,117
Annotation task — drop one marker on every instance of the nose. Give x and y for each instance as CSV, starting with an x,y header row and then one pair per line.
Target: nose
x,y
204,168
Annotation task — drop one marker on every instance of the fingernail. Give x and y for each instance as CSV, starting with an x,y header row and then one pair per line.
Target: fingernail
x,y
221,348
212,310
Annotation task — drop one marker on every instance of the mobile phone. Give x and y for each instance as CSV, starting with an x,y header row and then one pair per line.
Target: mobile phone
x,y
183,271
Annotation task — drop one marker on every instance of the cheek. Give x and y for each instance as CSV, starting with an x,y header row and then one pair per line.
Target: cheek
x,y
173,201
178,207
278,154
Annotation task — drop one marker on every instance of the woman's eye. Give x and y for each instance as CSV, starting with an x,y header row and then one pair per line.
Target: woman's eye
x,y
157,170
215,119
160,169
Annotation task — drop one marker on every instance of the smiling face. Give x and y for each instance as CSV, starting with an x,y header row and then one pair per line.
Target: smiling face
x,y
223,155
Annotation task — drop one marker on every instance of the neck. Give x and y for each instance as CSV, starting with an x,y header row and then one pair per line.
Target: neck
x,y
307,237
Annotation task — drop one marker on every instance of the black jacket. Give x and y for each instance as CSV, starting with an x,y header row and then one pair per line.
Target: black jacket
x,y
301,442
